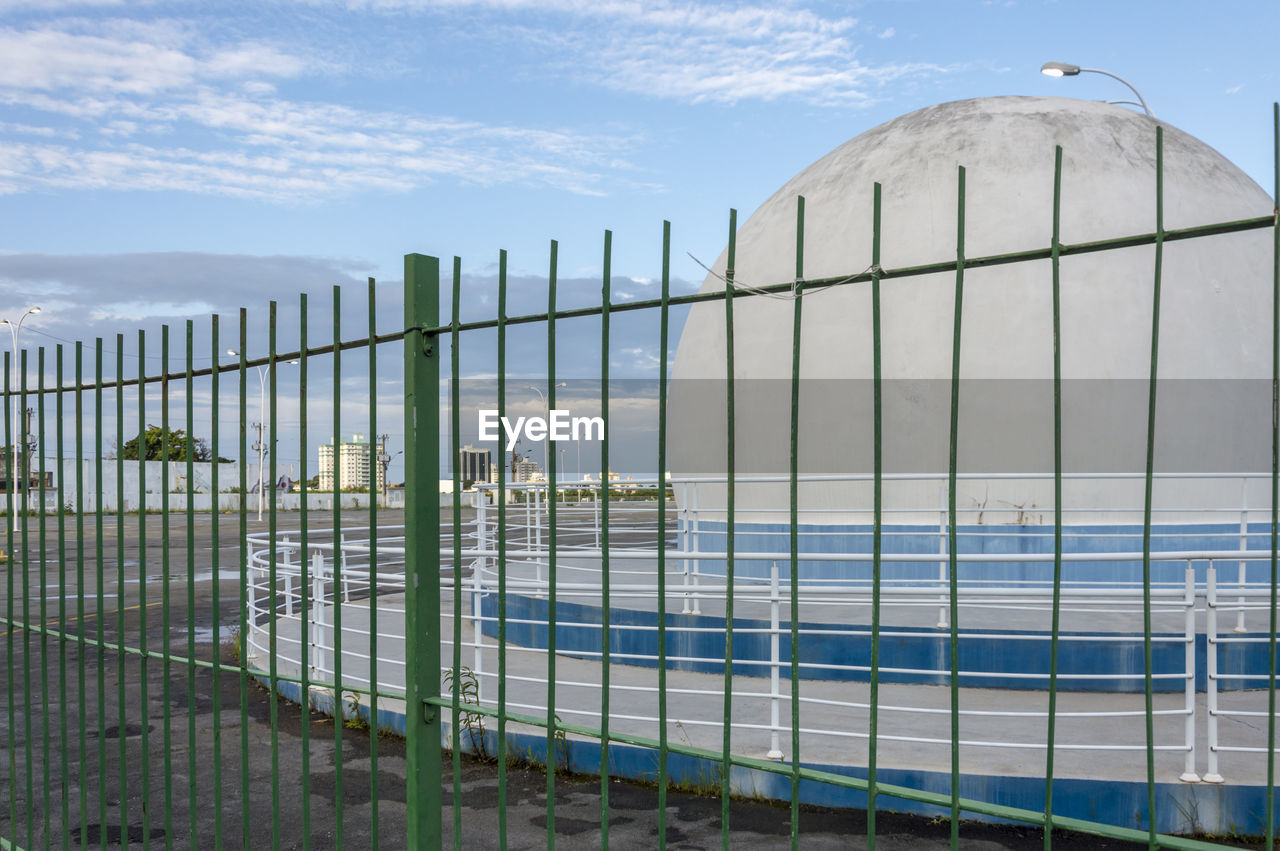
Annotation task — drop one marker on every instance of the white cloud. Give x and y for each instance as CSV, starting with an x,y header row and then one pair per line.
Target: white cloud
x,y
888,32
694,52
173,113
52,5
1234,89
181,105
134,311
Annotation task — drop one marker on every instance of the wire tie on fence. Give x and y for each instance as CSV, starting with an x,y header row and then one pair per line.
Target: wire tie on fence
x,y
738,284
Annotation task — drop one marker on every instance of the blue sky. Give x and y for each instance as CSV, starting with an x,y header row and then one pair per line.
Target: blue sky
x,y
162,160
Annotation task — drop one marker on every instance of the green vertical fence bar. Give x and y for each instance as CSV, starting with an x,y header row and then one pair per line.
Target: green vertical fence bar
x,y
552,756
663,342
166,607
605,300
374,463
877,508
1146,510
455,398
42,526
100,562
793,498
304,567
422,548
1056,247
268,456
1275,485
730,462
337,571
81,643
122,661
61,514
11,461
215,602
954,582
25,473
189,451
242,609
144,667
502,558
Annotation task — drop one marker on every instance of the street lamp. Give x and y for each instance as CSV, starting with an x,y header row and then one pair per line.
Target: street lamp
x,y
546,406
1064,69
262,416
14,330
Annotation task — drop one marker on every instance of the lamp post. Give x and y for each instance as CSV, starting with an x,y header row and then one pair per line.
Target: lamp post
x,y
14,331
546,407
262,416
1064,69
562,461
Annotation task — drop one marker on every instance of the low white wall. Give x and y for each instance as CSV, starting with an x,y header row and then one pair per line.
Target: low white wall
x,y
147,486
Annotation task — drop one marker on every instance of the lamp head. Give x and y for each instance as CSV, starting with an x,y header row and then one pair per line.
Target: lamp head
x,y
35,309
1059,69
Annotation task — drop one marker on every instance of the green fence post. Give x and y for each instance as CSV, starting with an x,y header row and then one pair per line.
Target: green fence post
x,y
422,547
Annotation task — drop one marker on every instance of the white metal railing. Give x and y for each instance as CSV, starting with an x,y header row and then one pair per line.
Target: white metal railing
x,y
1241,597
832,711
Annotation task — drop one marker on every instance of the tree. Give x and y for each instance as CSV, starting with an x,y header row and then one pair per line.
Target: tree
x,y
154,440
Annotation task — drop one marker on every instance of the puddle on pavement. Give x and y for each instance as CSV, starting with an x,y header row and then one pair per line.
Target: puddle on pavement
x,y
204,634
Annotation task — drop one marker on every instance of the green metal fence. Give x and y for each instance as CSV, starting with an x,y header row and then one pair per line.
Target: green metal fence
x,y
203,759
126,539
422,276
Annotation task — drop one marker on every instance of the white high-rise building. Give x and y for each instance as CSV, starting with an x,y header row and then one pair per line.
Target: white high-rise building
x,y
354,459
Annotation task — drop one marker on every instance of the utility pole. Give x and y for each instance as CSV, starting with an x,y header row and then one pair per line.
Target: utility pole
x,y
515,462
384,460
29,446
261,447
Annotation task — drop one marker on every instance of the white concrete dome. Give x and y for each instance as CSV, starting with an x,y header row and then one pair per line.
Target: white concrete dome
x,y
1215,309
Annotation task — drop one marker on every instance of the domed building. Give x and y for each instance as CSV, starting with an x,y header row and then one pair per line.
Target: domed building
x,y
1214,354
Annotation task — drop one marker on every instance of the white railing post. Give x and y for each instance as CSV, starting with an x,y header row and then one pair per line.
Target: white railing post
x,y
288,577
317,618
595,512
340,564
942,564
1211,672
482,523
252,598
697,563
477,572
775,752
1189,602
1244,545
686,536
537,539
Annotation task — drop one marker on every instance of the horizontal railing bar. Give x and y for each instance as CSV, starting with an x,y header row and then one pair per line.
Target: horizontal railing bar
x,y
230,366
865,277
692,298
930,558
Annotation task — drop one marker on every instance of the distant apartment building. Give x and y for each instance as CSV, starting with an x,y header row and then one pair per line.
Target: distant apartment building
x,y
525,470
475,465
353,461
